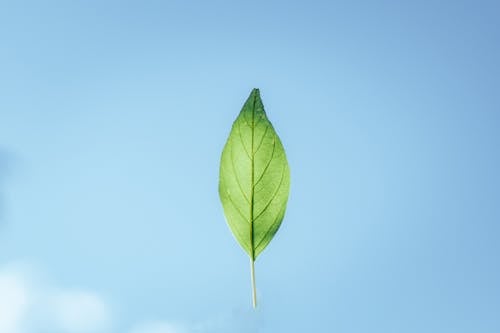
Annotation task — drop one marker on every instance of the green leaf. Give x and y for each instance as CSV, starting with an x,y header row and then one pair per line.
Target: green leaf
x,y
254,179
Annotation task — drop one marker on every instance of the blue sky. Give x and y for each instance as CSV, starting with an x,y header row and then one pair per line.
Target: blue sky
x,y
113,115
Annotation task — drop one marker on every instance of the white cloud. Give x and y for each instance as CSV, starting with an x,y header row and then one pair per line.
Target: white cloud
x,y
30,305
14,301
27,305
76,311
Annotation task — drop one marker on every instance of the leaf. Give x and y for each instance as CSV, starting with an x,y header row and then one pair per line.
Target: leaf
x,y
254,180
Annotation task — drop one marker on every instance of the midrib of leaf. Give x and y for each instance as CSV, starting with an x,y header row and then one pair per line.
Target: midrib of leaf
x,y
252,160
252,247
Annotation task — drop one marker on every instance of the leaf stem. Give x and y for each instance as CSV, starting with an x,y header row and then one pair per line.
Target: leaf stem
x,y
254,289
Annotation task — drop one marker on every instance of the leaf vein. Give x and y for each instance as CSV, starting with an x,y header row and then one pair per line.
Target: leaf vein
x,y
272,225
261,141
236,177
243,142
274,194
236,207
267,165
258,121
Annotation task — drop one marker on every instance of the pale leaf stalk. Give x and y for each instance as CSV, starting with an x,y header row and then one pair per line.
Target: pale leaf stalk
x,y
254,289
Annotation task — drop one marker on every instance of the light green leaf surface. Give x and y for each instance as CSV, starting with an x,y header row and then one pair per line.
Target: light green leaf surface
x,y
254,179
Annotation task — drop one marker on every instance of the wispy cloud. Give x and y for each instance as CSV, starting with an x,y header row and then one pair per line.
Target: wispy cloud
x,y
14,301
78,311
27,305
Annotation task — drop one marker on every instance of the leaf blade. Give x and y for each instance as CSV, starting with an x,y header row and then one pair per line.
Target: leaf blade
x,y
254,178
